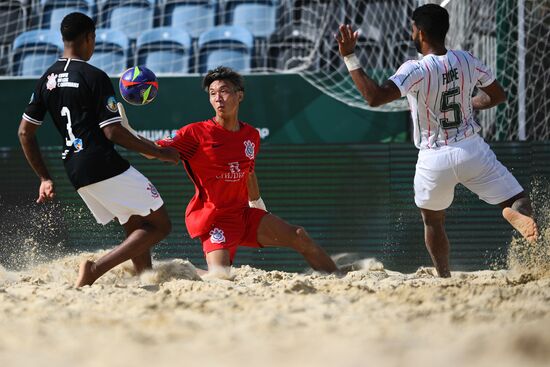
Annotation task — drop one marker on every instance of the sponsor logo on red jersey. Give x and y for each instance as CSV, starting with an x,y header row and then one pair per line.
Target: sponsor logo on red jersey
x,y
234,174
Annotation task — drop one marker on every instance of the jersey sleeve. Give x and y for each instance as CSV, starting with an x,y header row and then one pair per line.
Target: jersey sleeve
x,y
104,95
36,109
483,74
184,141
408,77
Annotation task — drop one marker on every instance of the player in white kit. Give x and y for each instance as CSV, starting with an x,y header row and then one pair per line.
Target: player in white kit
x,y
439,88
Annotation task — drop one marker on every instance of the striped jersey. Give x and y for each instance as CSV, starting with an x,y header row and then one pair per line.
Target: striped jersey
x,y
439,89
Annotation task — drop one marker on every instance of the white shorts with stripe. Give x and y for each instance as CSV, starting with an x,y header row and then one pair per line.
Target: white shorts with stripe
x,y
470,162
122,196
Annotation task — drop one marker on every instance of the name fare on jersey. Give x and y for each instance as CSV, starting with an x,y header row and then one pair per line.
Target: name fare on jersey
x,y
450,76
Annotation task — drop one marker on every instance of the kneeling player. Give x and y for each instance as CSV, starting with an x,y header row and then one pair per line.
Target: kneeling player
x,y
227,211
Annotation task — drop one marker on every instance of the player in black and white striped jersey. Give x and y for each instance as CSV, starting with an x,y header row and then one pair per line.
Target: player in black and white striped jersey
x,y
81,101
439,88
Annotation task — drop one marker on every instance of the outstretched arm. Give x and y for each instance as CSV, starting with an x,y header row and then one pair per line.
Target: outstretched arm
x,y
375,95
489,96
119,135
27,138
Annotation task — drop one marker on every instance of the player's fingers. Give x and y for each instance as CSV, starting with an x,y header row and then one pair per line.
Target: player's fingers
x,y
343,33
350,32
40,198
355,35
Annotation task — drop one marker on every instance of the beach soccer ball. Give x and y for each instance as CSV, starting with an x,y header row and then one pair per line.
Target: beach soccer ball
x,y
138,85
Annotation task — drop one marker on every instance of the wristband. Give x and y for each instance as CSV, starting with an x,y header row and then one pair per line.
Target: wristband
x,y
258,204
352,62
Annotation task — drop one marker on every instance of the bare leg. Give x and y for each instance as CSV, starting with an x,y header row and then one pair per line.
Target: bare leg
x,y
436,240
154,228
275,232
219,263
519,213
143,261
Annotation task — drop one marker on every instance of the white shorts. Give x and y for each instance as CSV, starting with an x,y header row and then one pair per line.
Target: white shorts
x,y
470,162
122,196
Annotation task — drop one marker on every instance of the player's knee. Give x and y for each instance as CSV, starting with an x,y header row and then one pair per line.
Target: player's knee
x,y
301,240
433,220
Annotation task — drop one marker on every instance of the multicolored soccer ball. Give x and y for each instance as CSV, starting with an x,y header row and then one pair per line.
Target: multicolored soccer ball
x,y
138,85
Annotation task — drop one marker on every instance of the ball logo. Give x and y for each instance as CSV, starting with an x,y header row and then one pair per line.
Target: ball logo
x,y
52,81
111,104
249,149
217,236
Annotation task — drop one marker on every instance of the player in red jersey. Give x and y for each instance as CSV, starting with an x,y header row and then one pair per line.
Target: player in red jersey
x,y
227,211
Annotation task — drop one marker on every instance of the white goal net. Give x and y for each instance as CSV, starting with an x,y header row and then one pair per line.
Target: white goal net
x,y
189,37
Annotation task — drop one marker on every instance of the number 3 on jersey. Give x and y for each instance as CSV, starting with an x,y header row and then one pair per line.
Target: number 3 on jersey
x,y
72,140
448,106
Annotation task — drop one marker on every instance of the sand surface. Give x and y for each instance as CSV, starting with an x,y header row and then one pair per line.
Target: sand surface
x,y
371,317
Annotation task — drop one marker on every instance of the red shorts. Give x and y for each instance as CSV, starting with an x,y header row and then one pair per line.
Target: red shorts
x,y
231,231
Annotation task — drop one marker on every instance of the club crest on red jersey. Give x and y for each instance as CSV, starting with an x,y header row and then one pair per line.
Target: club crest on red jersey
x,y
249,149
52,81
217,236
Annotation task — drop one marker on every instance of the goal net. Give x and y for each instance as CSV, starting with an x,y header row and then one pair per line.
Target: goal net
x,y
189,37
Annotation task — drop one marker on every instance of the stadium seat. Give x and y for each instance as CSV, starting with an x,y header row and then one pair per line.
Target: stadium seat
x,y
52,12
132,17
34,51
193,16
164,50
13,20
291,48
258,16
111,51
226,45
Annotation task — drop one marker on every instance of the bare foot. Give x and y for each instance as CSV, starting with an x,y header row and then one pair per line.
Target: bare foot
x,y
525,225
85,274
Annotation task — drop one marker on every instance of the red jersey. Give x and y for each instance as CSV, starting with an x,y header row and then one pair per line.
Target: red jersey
x,y
218,162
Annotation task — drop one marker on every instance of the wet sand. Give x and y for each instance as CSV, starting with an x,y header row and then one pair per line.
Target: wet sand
x,y
373,316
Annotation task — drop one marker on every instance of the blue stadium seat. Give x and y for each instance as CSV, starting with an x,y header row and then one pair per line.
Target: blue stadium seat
x,y
34,51
193,16
258,16
129,16
164,50
52,12
111,51
13,20
226,45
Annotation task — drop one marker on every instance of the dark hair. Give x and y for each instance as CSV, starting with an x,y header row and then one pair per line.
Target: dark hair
x,y
433,20
75,25
223,73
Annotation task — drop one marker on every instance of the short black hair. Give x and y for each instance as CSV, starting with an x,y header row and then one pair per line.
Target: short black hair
x,y
223,73
75,25
433,20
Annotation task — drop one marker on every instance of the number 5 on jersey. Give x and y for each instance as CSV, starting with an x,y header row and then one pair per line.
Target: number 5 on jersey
x,y
447,106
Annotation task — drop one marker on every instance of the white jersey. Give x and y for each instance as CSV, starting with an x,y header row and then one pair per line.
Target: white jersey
x,y
439,90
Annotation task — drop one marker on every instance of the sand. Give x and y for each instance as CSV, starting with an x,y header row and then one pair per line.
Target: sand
x,y
370,317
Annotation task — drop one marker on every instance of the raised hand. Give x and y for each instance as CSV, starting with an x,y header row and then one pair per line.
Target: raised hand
x,y
347,39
